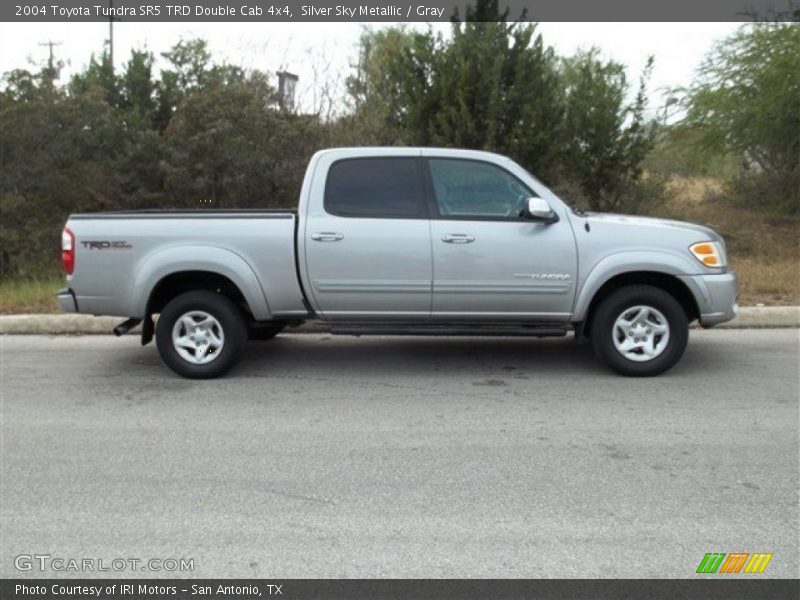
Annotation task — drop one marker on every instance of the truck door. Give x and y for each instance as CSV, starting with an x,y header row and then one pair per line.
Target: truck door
x,y
489,262
367,242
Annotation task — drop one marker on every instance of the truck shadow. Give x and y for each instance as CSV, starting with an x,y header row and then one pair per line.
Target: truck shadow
x,y
344,356
386,356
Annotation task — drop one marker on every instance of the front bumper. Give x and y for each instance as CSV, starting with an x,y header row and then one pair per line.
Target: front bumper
x,y
716,296
66,300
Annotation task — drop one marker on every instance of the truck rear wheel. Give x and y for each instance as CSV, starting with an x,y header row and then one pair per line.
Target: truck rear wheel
x,y
201,334
640,330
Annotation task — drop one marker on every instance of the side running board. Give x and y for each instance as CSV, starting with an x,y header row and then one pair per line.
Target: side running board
x,y
463,330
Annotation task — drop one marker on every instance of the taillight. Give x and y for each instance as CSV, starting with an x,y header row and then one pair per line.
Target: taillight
x,y
68,250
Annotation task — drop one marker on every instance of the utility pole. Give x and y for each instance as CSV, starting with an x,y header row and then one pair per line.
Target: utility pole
x,y
50,44
51,71
110,40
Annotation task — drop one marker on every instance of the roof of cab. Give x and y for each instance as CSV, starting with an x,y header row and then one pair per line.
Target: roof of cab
x,y
411,151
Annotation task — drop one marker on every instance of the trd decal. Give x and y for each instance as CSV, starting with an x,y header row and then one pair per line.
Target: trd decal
x,y
107,245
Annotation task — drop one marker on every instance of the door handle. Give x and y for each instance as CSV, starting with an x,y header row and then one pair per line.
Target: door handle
x,y
458,238
327,236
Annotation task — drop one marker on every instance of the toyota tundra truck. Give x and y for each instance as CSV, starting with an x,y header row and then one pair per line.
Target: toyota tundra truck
x,y
392,241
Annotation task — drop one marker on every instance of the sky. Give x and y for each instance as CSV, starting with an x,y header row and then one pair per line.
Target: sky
x,y
320,52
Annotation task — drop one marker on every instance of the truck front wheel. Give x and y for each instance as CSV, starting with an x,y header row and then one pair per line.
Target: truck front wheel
x,y
640,330
201,334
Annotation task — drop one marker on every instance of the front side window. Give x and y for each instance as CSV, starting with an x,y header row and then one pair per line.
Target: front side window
x,y
475,189
375,187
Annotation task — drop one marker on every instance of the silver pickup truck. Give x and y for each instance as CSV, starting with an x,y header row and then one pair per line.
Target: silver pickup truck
x,y
389,241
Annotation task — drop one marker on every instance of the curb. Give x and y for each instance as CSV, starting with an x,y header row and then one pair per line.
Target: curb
x,y
756,317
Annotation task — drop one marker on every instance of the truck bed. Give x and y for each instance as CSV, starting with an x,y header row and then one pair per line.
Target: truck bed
x,y
121,256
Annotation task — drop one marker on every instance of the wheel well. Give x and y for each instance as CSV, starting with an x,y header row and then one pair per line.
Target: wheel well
x,y
669,283
175,284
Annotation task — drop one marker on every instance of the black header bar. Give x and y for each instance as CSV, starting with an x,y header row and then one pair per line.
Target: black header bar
x,y
149,11
735,587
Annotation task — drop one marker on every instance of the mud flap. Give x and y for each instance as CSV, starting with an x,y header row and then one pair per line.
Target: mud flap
x,y
148,328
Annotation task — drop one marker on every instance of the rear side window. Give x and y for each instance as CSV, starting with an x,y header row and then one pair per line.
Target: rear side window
x,y
375,187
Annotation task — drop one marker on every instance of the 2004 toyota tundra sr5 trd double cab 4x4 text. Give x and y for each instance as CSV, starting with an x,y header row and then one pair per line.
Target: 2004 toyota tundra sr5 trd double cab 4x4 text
x,y
389,241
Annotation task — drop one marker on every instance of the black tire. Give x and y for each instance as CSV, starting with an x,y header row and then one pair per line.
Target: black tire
x,y
229,318
264,331
602,330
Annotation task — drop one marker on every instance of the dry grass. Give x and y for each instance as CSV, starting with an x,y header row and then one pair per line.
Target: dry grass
x,y
764,282
30,295
763,249
694,190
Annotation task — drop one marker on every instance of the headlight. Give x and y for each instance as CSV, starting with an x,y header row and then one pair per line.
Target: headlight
x,y
709,253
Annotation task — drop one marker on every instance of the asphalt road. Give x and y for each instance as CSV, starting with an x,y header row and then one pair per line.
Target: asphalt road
x,y
402,457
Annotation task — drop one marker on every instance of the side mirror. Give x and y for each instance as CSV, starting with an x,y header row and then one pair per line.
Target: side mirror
x,y
537,209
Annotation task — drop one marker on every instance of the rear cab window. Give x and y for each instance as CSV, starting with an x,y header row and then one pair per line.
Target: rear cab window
x,y
376,187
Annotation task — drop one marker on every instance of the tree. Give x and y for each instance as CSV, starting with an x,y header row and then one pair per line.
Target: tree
x,y
137,87
605,137
500,90
746,100
196,135
496,86
493,86
392,91
58,154
228,145
99,78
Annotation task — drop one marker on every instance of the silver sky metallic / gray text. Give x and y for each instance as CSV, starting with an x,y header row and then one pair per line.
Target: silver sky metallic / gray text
x,y
351,12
